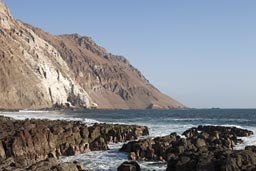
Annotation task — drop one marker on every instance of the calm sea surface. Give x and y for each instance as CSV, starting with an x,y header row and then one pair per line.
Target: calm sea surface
x,y
160,122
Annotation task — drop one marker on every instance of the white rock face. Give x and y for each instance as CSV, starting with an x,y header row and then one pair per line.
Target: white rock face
x,y
52,70
5,16
54,75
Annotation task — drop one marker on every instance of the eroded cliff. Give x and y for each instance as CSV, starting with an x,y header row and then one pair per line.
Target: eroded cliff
x,y
32,72
39,70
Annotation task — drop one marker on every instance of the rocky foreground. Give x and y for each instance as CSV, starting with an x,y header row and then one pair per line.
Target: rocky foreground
x,y
205,148
37,144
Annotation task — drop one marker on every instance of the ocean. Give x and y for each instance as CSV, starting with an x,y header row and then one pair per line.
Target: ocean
x,y
160,123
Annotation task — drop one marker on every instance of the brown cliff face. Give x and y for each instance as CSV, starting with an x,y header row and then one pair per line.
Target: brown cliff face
x,y
99,77
110,80
32,72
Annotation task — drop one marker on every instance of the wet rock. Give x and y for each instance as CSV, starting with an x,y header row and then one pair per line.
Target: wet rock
x,y
200,143
234,160
50,164
129,166
151,149
99,144
2,152
65,167
217,130
132,156
205,148
30,141
251,148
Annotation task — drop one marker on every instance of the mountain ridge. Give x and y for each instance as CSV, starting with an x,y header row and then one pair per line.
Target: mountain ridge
x,y
68,70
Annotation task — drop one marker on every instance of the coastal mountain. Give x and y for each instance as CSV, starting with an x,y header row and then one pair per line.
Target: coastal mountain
x,y
40,70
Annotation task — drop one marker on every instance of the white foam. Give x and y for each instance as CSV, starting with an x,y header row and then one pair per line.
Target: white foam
x,y
33,111
50,115
101,160
247,141
24,114
110,160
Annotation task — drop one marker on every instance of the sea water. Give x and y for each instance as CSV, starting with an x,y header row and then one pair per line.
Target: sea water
x,y
160,123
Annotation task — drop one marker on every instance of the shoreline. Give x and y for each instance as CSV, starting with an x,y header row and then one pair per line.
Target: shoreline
x,y
103,134
26,142
107,109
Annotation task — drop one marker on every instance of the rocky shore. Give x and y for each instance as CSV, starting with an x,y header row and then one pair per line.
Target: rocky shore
x,y
36,144
205,148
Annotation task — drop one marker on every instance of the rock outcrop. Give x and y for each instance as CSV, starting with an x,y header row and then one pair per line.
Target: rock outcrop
x,y
39,70
202,138
205,148
35,145
218,160
23,143
129,166
50,164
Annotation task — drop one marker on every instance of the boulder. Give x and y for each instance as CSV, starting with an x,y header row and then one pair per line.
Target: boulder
x,y
251,148
200,143
50,164
129,166
227,160
151,149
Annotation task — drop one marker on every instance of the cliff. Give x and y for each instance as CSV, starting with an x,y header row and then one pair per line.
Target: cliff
x,y
40,70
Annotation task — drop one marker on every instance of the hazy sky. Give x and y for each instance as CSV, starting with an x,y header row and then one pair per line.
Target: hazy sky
x,y
203,53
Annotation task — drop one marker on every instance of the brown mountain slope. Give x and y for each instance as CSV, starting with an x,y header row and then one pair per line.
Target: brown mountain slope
x,y
111,81
67,69
32,72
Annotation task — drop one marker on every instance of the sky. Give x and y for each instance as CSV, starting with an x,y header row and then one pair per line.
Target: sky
x,y
202,53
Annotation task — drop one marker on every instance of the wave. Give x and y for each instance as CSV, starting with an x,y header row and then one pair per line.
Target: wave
x,y
49,115
33,111
110,160
207,119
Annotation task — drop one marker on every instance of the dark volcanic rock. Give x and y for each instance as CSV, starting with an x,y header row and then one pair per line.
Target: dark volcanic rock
x,y
151,149
236,160
205,148
129,166
50,164
217,131
24,143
